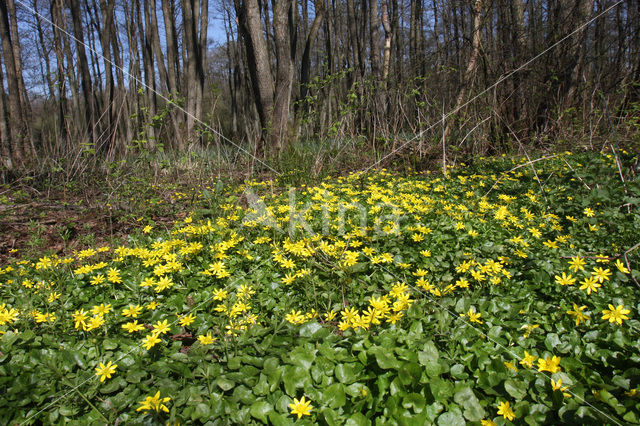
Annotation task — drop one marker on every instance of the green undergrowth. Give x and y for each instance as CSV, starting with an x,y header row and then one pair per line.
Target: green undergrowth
x,y
504,292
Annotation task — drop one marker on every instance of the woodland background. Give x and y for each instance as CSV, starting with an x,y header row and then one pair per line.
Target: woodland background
x,y
84,81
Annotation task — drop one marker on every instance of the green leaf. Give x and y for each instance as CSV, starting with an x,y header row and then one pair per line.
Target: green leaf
x,y
414,401
516,389
385,358
465,398
451,418
357,419
260,410
346,373
224,383
302,357
334,395
295,377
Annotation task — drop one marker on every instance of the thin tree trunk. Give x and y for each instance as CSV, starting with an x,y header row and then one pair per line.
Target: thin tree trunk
x,y
471,65
85,75
16,120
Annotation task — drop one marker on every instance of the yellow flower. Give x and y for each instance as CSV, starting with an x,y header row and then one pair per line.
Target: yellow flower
x,y
488,423
565,279
621,267
161,327
552,365
206,339
147,229
616,314
529,329
295,317
301,407
133,326
590,284
577,264
577,313
589,212
601,274
101,309
510,366
505,411
558,386
187,320
528,359
132,311
473,316
105,371
150,341
154,403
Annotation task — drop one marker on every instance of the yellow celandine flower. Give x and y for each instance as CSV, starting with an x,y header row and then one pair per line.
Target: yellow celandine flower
x,y
101,309
473,316
558,386
105,371
529,329
528,359
98,279
577,313
151,306
621,267
505,411
132,311
206,339
301,407
113,275
79,319
295,317
589,212
150,341
615,314
53,297
552,365
219,295
577,264
565,279
154,403
590,284
161,327
488,423
147,229
133,326
187,320
510,366
601,274
551,244
329,316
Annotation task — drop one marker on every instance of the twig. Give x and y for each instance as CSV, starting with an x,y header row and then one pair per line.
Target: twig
x,y
583,182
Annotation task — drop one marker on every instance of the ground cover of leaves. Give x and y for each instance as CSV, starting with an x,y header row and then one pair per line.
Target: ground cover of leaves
x,y
503,293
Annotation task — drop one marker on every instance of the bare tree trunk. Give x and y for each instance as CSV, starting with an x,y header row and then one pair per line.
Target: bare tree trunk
x,y
388,36
149,75
374,41
16,121
25,105
471,65
171,42
5,135
284,72
85,75
305,68
250,27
